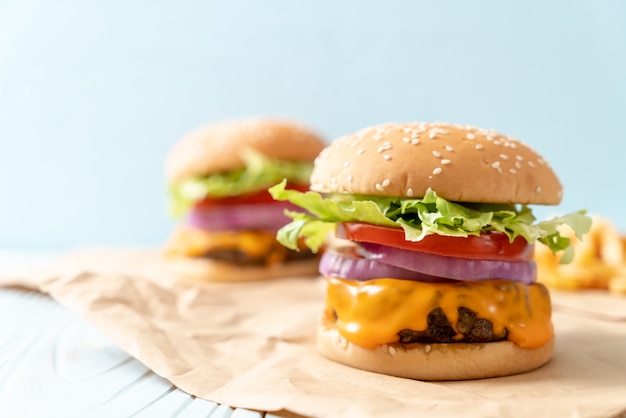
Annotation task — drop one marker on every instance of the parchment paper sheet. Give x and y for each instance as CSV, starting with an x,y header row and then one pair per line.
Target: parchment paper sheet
x,y
251,345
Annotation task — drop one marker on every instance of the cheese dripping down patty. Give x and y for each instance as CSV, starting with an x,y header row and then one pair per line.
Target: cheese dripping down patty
x,y
256,244
373,312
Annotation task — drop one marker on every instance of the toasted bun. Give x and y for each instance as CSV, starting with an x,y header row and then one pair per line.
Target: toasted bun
x,y
217,147
200,270
456,361
460,163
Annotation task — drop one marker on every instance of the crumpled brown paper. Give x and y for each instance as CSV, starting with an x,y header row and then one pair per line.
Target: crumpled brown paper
x,y
251,345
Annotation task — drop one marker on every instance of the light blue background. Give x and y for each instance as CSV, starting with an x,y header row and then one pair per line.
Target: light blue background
x,y
94,93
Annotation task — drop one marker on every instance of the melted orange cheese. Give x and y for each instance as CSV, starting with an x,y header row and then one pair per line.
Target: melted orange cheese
x,y
191,242
372,313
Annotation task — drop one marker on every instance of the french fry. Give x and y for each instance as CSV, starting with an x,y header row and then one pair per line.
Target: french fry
x,y
599,261
617,284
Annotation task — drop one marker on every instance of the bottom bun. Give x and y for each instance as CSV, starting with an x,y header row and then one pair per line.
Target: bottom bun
x,y
199,270
455,361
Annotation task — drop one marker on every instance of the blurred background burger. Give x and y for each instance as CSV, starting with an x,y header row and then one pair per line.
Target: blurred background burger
x,y
218,177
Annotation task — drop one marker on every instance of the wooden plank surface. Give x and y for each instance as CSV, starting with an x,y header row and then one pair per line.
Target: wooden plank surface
x,y
53,363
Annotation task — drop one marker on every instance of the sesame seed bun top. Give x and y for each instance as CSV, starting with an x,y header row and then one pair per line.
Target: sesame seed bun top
x,y
460,163
217,147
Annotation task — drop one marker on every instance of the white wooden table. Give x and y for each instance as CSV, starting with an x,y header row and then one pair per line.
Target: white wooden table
x,y
53,363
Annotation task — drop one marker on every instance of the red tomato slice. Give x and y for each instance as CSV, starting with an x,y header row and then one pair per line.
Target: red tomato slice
x,y
262,196
490,246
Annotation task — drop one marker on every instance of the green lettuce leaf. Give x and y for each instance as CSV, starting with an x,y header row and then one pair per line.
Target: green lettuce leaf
x,y
420,217
259,173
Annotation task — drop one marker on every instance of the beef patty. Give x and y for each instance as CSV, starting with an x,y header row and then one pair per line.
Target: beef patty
x,y
439,330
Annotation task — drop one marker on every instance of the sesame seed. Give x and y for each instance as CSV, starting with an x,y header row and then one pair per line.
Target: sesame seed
x,y
427,348
519,157
517,164
407,130
415,134
504,156
406,139
432,135
437,170
392,350
489,138
360,151
512,170
496,165
387,157
346,164
436,153
530,163
386,182
538,190
409,192
384,147
415,141
470,136
379,187
377,136
349,178
560,192
479,146
496,142
449,148
445,161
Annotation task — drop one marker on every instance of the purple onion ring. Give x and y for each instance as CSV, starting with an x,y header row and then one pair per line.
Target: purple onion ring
x,y
455,268
267,216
